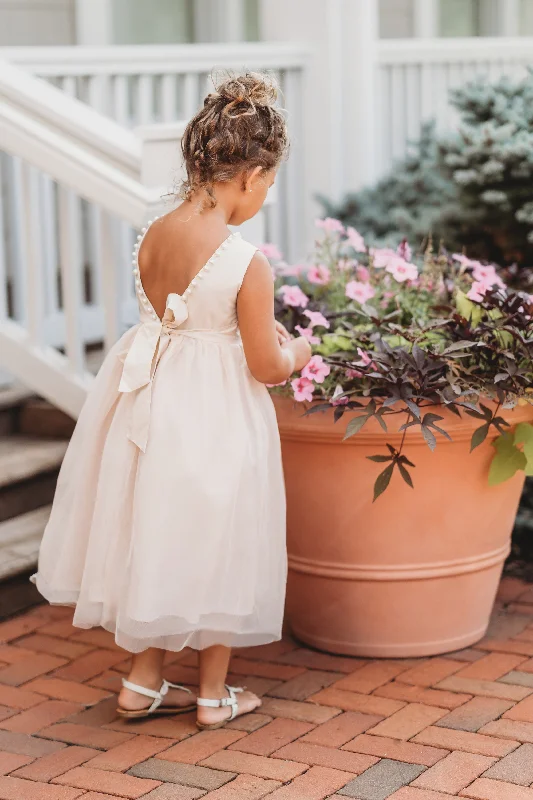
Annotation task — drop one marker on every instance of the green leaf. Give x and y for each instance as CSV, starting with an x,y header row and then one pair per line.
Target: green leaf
x,y
479,436
524,435
355,425
467,309
379,459
405,475
507,461
382,481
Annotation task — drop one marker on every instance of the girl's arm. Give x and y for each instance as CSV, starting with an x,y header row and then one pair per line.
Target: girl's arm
x,y
268,361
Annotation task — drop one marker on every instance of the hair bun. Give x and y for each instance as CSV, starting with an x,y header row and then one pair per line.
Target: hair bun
x,y
242,94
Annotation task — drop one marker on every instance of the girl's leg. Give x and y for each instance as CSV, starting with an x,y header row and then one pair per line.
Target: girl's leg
x,y
214,662
147,671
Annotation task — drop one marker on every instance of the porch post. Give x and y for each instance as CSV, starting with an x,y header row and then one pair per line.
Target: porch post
x,y
359,95
426,18
94,22
509,17
219,20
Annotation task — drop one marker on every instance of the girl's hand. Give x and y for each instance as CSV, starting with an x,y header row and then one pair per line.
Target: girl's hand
x,y
301,349
282,333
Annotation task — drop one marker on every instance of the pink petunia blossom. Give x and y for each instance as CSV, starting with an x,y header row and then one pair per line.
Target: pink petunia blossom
x,y
404,251
308,334
478,291
319,274
362,272
330,225
355,240
271,251
359,291
303,389
486,273
316,319
365,358
316,369
293,296
401,270
464,261
382,256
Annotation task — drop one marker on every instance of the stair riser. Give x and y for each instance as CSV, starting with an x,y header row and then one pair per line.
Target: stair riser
x,y
17,498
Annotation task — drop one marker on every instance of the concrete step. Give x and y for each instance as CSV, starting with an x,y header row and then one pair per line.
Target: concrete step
x,y
23,457
20,538
39,418
28,473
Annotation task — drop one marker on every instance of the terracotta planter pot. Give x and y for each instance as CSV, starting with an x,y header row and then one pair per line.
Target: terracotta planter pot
x,y
414,573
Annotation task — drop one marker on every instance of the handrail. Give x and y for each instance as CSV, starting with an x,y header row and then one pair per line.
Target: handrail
x,y
68,162
156,59
70,118
454,50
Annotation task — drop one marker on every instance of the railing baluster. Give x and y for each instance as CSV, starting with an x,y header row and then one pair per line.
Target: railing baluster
x,y
121,100
72,278
168,98
190,96
34,294
109,270
4,306
145,99
16,262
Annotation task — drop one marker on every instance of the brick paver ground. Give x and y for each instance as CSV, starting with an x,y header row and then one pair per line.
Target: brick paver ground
x,y
459,725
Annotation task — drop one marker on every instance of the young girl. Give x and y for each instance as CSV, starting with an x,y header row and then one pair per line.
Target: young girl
x,y
168,525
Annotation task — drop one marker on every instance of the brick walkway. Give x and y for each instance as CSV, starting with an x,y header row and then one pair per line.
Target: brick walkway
x,y
418,729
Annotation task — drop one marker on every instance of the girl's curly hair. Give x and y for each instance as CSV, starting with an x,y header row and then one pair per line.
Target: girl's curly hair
x,y
239,128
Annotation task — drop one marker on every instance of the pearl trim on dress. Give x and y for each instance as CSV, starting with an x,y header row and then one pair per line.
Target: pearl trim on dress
x,y
188,291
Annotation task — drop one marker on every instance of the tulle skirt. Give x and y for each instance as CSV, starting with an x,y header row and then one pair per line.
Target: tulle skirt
x,y
183,545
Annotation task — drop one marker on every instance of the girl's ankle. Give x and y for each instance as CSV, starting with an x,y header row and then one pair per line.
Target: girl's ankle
x,y
213,691
147,681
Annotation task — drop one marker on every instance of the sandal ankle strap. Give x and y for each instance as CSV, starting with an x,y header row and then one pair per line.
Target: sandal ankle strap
x,y
231,701
157,696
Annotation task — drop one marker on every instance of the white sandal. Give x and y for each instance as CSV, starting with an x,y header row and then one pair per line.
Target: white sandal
x,y
155,709
224,701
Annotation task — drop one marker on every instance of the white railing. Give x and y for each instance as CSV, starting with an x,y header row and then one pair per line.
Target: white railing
x,y
139,85
65,279
415,76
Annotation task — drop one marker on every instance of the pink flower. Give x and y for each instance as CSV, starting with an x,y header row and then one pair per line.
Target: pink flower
x,y
303,389
365,358
359,291
404,251
316,319
362,273
355,240
330,225
487,274
464,260
316,369
478,290
293,296
382,257
307,333
319,274
271,251
401,270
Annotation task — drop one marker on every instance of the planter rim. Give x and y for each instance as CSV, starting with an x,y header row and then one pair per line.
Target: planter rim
x,y
321,429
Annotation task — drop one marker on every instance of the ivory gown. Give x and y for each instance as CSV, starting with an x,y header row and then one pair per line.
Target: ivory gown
x,y
168,524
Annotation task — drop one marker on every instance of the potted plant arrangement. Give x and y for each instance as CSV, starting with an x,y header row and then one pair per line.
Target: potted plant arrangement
x,y
405,443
